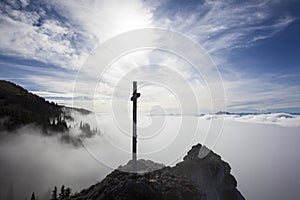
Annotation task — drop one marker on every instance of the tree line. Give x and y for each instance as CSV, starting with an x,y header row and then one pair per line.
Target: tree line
x,y
64,194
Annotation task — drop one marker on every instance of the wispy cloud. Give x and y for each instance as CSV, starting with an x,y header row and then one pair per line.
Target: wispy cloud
x,y
34,34
64,32
222,27
226,25
264,92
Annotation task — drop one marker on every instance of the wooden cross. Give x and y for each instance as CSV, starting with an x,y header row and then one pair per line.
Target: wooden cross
x,y
134,97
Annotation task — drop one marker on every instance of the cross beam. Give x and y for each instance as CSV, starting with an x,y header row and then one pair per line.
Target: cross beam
x,y
134,97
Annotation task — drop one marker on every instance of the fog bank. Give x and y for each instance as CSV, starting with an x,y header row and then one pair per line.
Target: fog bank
x,y
262,151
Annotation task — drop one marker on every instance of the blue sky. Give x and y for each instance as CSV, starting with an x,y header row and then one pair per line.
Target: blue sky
x,y
255,44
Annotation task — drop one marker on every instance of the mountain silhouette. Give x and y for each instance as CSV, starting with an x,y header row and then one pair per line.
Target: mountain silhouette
x,y
18,107
194,178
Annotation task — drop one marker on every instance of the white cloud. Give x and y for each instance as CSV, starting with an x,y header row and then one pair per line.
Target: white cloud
x,y
267,91
274,147
279,119
225,25
104,19
49,42
79,26
48,163
222,26
66,39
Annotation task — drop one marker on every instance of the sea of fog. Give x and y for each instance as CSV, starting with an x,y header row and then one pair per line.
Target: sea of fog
x,y
262,151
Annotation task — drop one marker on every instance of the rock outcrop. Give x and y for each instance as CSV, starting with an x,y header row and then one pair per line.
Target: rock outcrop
x,y
142,166
209,173
195,178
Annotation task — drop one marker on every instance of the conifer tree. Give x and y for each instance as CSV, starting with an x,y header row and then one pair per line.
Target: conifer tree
x,y
62,193
68,192
33,196
54,194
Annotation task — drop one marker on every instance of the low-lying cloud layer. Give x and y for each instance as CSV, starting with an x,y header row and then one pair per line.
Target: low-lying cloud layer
x,y
280,119
31,162
260,149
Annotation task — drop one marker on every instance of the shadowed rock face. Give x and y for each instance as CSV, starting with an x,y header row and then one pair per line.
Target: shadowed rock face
x,y
194,178
209,173
158,185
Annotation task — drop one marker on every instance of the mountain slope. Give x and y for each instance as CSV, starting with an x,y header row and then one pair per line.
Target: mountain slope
x,y
195,178
19,107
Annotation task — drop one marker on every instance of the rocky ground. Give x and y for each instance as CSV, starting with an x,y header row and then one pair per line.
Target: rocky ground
x,y
195,178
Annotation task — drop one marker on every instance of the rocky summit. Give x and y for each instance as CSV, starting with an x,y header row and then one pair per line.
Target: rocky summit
x,y
197,177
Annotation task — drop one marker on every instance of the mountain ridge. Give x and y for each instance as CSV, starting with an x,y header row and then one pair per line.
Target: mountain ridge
x,y
19,107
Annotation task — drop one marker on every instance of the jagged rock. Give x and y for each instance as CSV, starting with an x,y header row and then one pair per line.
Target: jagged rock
x,y
195,178
210,173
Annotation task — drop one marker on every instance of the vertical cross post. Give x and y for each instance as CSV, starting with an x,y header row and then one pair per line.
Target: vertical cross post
x,y
134,97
